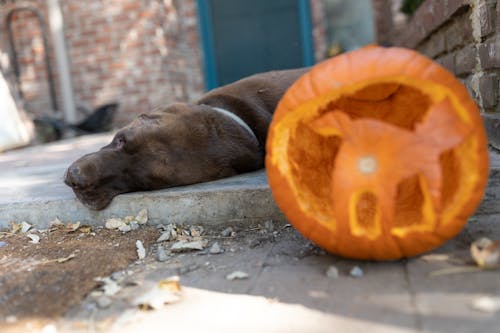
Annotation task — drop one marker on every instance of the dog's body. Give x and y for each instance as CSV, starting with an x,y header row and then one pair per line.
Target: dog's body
x,y
185,143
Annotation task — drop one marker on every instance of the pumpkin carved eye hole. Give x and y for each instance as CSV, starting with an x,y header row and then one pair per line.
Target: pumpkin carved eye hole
x,y
395,104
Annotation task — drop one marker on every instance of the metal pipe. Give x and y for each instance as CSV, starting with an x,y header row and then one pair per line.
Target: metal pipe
x,y
61,55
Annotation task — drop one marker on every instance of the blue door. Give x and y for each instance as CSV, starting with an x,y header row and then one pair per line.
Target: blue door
x,y
244,37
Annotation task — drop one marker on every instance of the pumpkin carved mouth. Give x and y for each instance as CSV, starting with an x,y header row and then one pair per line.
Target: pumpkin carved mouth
x,y
378,168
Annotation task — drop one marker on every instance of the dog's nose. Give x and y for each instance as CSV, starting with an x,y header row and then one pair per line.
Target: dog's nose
x,y
74,177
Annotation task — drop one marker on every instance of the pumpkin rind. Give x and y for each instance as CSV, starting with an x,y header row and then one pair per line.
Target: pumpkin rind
x,y
326,130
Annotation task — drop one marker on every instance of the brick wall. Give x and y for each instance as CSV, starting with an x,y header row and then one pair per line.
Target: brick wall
x,y
463,36
141,53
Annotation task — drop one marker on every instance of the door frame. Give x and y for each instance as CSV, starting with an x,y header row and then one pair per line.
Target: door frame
x,y
208,45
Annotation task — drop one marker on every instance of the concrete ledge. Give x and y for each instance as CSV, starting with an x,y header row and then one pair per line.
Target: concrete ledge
x,y
242,198
31,189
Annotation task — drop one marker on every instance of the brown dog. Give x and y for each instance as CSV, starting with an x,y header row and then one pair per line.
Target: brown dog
x,y
221,135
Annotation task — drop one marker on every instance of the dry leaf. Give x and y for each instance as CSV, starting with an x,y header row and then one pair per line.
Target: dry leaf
x,y
86,229
72,227
171,284
64,259
25,226
165,236
183,245
141,251
59,260
109,287
142,217
435,257
165,292
55,223
114,223
35,239
237,275
486,253
487,304
124,228
15,227
356,272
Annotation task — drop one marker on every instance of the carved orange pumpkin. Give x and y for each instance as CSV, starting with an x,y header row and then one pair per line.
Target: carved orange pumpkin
x,y
378,154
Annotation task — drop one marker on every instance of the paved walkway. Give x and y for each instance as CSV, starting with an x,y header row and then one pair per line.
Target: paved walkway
x,y
287,289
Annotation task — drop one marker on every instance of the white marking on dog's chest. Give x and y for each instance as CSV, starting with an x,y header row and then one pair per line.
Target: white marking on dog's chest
x,y
236,119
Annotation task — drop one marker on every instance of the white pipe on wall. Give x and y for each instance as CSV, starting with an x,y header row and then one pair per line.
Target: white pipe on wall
x,y
62,63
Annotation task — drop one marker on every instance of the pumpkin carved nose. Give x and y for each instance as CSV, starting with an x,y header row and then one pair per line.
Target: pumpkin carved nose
x,y
367,164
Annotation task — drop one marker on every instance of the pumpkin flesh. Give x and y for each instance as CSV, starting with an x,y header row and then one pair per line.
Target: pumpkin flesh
x,y
377,168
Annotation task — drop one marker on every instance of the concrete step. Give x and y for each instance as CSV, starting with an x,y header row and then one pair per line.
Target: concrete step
x,y
32,190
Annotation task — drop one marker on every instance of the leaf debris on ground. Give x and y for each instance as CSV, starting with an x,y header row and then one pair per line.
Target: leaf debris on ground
x,y
165,292
356,272
237,275
488,304
141,251
35,239
486,253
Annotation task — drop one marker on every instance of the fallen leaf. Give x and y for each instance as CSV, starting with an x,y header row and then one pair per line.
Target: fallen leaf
x,y
487,304
25,226
56,223
64,259
15,227
165,236
332,272
435,257
171,284
196,231
72,227
165,292
103,302
141,251
108,286
183,246
86,229
142,217
59,260
237,275
356,272
35,239
124,228
161,255
486,253
215,249
114,223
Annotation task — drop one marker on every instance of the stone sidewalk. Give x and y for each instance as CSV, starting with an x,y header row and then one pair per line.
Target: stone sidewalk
x,y
287,289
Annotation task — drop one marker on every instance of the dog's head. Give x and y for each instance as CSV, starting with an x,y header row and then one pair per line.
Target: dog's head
x,y
177,146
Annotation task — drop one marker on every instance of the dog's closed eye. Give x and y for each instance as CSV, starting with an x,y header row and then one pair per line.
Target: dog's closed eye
x,y
119,141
